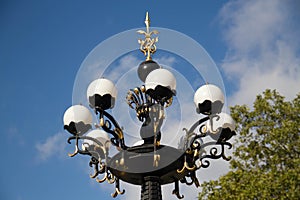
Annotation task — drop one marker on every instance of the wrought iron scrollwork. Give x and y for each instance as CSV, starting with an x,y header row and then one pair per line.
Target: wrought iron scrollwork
x,y
98,167
98,162
111,126
176,191
77,149
195,149
109,177
98,153
117,189
214,153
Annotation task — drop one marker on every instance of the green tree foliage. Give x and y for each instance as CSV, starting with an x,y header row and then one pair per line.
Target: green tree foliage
x,y
266,161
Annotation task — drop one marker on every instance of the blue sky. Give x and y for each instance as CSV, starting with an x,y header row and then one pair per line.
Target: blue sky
x,y
255,45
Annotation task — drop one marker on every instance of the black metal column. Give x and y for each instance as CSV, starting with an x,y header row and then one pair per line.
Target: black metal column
x,y
151,188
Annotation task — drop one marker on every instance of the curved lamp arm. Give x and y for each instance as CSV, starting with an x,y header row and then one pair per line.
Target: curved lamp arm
x,y
117,132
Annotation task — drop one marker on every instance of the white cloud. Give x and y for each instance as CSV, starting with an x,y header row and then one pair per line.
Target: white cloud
x,y
122,67
53,146
250,23
13,135
166,60
263,51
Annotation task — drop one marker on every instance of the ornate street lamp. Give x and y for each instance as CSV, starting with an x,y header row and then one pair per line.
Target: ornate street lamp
x,y
149,163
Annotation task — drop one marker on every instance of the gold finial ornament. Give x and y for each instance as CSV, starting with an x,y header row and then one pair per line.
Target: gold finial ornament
x,y
147,46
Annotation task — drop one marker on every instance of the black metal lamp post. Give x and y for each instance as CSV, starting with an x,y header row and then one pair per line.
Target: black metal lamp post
x,y
148,164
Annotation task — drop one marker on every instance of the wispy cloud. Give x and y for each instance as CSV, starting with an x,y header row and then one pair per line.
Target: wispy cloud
x,y
263,48
166,60
13,135
52,146
122,67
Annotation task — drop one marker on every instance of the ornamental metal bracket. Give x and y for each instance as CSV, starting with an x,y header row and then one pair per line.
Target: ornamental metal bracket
x,y
147,46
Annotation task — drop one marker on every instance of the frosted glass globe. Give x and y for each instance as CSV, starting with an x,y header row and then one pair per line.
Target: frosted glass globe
x,y
102,93
77,113
161,77
99,135
209,99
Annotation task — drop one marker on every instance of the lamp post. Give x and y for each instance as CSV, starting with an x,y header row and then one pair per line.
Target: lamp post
x,y
149,164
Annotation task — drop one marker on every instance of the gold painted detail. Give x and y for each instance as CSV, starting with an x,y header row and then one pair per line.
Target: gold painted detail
x,y
117,191
101,121
186,166
147,46
76,151
169,102
156,160
107,177
157,143
119,132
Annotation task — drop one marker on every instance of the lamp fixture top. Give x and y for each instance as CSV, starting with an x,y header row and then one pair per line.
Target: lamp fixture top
x,y
147,45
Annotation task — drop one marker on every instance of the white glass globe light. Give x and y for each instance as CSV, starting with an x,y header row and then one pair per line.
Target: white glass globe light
x,y
102,87
77,113
215,129
225,121
99,135
161,77
209,99
208,92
